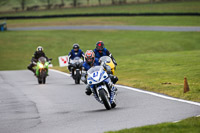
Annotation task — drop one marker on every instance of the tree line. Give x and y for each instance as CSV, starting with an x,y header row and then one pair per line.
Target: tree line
x,y
75,3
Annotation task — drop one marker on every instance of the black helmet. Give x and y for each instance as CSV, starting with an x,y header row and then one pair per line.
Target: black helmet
x,y
76,47
99,46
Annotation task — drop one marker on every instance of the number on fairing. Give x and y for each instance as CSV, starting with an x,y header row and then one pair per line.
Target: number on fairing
x,y
95,74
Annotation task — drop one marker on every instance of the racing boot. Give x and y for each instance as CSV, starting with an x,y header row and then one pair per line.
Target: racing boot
x,y
114,93
71,72
113,105
47,73
88,90
34,72
113,78
30,67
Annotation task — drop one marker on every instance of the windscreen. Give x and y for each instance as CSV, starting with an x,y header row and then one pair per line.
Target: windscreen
x,y
94,69
105,59
42,60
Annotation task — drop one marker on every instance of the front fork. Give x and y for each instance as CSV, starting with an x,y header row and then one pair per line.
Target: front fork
x,y
111,92
38,71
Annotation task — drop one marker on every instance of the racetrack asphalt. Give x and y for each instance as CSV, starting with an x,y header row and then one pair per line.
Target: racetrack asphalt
x,y
111,27
60,106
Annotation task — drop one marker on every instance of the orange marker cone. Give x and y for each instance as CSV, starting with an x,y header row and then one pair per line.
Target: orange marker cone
x,y
186,86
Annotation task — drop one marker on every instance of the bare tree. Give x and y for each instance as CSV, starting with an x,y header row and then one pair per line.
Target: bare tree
x,y
75,2
151,1
23,3
48,4
122,1
62,2
88,2
99,2
113,2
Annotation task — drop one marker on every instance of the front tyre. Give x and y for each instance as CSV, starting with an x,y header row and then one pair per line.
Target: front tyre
x,y
39,80
42,77
105,99
77,77
77,81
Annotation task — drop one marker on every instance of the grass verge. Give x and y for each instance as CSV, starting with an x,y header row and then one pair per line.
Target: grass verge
x,y
188,6
146,59
190,125
150,21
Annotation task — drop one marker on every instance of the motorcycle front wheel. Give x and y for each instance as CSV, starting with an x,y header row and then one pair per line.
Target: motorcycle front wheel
x,y
105,99
39,80
42,77
77,77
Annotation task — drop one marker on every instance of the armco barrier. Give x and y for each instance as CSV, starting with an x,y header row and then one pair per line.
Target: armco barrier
x,y
101,15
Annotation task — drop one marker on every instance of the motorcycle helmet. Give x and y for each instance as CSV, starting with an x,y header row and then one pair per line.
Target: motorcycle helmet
x,y
89,57
76,47
39,48
99,46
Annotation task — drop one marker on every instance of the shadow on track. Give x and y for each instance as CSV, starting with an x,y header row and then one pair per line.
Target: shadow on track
x,y
103,110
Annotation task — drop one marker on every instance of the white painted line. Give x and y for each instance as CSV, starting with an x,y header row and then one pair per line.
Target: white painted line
x,y
198,116
146,92
159,95
176,121
60,72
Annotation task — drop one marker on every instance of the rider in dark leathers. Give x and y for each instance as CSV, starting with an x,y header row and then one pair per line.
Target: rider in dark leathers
x,y
75,52
38,53
100,51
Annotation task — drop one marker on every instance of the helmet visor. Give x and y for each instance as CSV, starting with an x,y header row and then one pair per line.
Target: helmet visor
x,y
90,60
75,49
100,48
39,49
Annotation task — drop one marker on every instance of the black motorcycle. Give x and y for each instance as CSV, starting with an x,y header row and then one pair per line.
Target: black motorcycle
x,y
76,69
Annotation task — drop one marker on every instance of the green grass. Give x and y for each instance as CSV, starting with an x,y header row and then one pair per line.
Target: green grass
x,y
190,125
153,21
189,6
146,59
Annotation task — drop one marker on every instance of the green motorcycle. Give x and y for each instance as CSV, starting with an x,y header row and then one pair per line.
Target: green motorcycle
x,y
42,69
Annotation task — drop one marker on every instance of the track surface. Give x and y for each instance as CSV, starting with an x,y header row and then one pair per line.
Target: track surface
x,y
138,28
60,106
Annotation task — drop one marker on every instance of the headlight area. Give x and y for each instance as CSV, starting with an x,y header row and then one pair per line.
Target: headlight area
x,y
41,66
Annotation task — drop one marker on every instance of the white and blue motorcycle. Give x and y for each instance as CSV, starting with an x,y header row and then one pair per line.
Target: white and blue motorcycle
x,y
102,88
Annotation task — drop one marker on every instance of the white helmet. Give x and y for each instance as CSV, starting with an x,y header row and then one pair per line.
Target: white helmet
x,y
39,48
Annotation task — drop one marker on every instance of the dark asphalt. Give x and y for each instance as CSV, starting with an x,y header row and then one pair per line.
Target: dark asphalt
x,y
60,106
110,27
